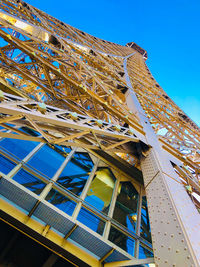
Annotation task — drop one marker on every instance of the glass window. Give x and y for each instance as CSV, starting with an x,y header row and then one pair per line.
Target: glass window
x,y
6,165
29,181
145,230
122,240
29,131
2,129
48,159
125,211
76,173
91,220
60,201
144,253
19,148
101,189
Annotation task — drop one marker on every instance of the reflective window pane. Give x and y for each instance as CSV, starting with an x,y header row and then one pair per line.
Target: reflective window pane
x,y
6,165
101,189
19,148
144,253
29,131
61,202
29,181
121,240
76,173
145,230
48,159
91,220
2,128
125,211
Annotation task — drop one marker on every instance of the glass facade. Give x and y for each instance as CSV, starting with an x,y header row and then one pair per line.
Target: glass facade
x,y
125,211
101,188
88,190
29,181
17,148
47,160
76,173
122,240
145,230
6,165
91,220
61,201
144,253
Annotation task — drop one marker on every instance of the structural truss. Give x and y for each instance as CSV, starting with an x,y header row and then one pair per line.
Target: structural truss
x,y
74,90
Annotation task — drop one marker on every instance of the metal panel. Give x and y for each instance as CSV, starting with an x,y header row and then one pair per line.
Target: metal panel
x,y
90,242
16,195
170,239
53,218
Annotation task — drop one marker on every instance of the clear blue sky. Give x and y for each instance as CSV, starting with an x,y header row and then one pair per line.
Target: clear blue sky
x,y
168,30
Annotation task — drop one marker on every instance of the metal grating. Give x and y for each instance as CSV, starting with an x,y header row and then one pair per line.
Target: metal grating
x,y
90,242
17,195
58,221
53,218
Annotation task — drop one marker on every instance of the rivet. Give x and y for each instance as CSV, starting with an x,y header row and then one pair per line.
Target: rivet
x,y
166,261
169,248
172,235
177,251
188,257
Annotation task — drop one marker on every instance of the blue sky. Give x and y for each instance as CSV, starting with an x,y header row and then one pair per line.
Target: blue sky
x,y
168,30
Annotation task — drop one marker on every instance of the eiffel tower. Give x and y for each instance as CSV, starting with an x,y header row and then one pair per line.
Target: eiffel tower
x,y
98,167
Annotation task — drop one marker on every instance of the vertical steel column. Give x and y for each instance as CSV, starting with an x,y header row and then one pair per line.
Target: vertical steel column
x,y
175,221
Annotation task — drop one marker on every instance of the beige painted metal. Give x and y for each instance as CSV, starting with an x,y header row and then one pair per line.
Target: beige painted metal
x,y
175,221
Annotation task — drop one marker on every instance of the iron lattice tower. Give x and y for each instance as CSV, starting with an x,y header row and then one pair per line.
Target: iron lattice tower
x,y
96,105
